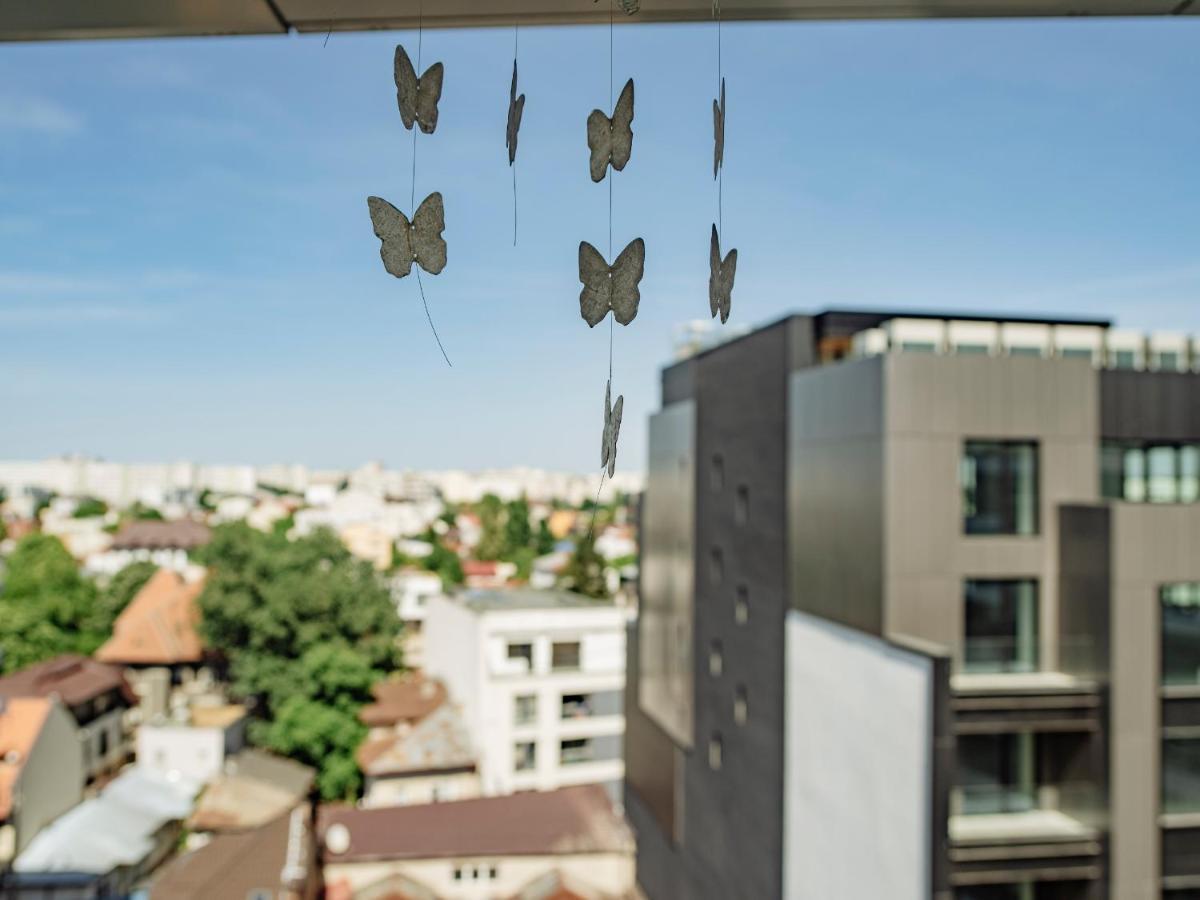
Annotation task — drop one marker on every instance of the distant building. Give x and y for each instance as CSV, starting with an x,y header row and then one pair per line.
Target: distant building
x,y
195,749
411,590
418,749
41,770
540,676
275,860
156,639
166,544
107,844
253,789
483,574
96,695
567,844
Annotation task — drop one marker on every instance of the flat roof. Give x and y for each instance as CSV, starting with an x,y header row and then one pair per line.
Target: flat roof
x,y
884,315
89,19
525,598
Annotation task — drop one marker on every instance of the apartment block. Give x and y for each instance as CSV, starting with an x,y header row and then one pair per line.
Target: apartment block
x,y
987,524
539,675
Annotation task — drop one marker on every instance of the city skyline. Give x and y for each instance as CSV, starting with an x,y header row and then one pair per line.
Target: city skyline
x,y
188,269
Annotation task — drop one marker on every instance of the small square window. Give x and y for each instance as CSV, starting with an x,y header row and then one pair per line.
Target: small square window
x,y
716,660
741,505
741,705
716,479
716,565
741,605
525,709
564,656
522,651
714,752
458,873
525,756
574,751
493,873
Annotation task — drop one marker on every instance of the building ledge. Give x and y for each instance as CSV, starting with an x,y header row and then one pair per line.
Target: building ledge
x,y
1034,826
971,683
1179,820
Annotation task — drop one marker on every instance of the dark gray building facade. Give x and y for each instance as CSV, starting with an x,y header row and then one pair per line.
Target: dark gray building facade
x,y
1015,497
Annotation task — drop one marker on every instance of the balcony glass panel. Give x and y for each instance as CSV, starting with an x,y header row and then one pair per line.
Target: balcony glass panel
x,y
996,773
1001,627
1181,633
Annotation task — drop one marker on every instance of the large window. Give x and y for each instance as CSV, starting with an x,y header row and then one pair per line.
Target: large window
x,y
564,657
1181,633
575,751
1000,487
1142,472
997,773
1181,775
1001,626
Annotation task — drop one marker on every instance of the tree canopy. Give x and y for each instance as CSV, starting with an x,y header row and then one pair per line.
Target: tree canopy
x,y
584,571
306,630
47,607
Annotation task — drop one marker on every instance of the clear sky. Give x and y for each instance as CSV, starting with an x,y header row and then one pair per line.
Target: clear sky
x,y
187,268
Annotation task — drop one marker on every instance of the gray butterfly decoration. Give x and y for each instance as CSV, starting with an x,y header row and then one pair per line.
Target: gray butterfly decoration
x,y
720,278
612,287
404,242
611,140
719,131
516,106
612,428
417,97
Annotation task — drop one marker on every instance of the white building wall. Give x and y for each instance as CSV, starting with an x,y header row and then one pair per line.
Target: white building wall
x,y
182,751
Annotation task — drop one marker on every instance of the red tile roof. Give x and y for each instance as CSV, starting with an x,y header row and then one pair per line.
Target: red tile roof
x,y
72,678
405,700
21,721
182,534
566,821
158,627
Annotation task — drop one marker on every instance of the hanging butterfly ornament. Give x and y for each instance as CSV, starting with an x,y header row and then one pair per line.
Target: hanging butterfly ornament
x,y
720,271
516,106
610,140
612,429
611,288
403,240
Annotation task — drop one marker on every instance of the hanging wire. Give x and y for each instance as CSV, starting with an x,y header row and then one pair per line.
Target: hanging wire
x,y
516,47
721,170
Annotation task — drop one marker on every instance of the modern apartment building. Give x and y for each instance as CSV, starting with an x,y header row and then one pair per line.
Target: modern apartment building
x,y
539,676
921,574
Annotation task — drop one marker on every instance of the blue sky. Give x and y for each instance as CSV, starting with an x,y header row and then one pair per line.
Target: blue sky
x,y
187,268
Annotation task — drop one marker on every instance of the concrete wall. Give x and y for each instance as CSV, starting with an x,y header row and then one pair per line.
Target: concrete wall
x,y
407,790
933,404
52,779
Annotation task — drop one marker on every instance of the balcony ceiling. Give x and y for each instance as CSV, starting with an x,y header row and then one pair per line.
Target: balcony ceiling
x,y
36,20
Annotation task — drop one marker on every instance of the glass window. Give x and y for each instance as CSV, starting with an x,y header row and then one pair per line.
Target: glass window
x,y
972,349
525,709
741,605
716,660
1000,487
715,752
741,506
1162,482
1024,351
741,705
1181,775
1189,473
575,751
1112,472
1124,359
525,756
576,706
996,773
521,651
564,656
1075,353
1168,359
1181,633
1001,626
918,346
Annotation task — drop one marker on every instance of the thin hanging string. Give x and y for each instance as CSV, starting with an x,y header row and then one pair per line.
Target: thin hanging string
x,y
412,200
610,193
596,503
720,171
516,47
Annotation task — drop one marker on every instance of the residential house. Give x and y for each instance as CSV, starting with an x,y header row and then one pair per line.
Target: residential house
x,y
275,860
96,695
166,544
564,843
156,639
195,745
418,749
482,574
107,844
41,769
540,677
411,590
253,789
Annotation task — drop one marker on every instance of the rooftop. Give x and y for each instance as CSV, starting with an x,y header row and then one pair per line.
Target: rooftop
x,y
118,828
406,699
158,627
21,721
524,598
182,534
535,823
74,679
438,742
254,789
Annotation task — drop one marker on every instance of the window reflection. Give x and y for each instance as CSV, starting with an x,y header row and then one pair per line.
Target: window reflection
x,y
1000,487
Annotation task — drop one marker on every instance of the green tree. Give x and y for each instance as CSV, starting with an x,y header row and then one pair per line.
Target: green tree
x,y
584,571
445,562
140,511
306,629
544,542
492,519
206,502
47,607
120,590
518,534
90,508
